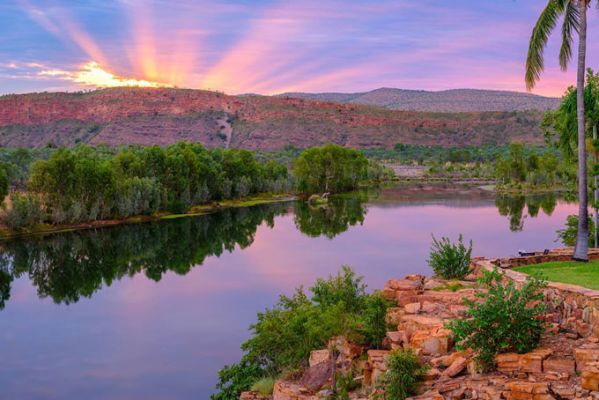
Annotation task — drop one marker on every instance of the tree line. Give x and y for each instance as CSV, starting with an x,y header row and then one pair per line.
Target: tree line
x,y
85,183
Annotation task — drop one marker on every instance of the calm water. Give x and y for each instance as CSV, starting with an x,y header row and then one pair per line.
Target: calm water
x,y
153,311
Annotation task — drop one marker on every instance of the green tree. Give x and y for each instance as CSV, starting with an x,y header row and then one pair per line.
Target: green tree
x,y
4,185
574,14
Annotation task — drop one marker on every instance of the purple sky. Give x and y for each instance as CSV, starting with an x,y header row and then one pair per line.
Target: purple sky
x,y
270,47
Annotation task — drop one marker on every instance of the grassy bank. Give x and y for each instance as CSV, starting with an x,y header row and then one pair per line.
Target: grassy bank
x,y
44,229
574,273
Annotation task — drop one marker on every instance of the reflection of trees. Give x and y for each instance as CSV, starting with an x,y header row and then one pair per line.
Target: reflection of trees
x,y
512,206
66,267
332,218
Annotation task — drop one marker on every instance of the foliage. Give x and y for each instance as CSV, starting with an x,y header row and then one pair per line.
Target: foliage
x,y
374,324
24,210
329,168
345,383
517,168
4,185
569,233
507,319
235,378
448,260
264,386
284,336
403,375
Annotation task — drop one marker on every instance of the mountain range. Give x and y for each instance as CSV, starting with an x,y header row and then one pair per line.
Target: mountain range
x,y
455,100
145,116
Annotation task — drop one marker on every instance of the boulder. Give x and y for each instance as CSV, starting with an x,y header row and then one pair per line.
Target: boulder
x,y
284,390
316,376
559,365
431,342
523,363
319,356
347,350
456,367
589,378
252,396
586,355
525,390
412,308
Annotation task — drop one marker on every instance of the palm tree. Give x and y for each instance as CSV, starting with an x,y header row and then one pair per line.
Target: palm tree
x,y
574,14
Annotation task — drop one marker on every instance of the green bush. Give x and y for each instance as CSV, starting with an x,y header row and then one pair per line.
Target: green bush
x,y
284,336
569,233
264,386
448,260
374,323
507,320
403,375
24,210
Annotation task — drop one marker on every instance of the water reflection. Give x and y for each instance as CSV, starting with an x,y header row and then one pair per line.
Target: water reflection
x,y
66,267
512,206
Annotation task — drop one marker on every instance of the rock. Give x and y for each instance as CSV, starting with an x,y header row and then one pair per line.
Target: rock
x,y
284,390
524,390
397,339
559,365
589,378
456,367
377,365
524,363
347,350
412,323
252,396
412,308
315,377
585,355
318,356
583,329
563,390
431,343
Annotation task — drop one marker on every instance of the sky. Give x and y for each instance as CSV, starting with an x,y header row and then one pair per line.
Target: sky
x,y
269,46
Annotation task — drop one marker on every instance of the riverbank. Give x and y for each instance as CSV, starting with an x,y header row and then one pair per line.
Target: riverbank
x,y
46,229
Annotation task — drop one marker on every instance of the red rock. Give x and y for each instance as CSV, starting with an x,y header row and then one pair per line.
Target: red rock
x,y
412,308
559,365
318,356
585,356
456,367
317,376
589,378
284,390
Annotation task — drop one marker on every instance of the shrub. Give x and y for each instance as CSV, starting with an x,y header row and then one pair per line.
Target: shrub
x,y
264,386
374,323
25,210
233,379
284,336
448,260
507,319
403,375
569,233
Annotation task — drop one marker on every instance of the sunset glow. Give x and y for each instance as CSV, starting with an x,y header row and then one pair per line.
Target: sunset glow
x,y
270,47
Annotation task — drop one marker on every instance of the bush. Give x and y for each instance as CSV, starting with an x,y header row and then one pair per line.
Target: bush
x,y
507,319
569,233
25,210
284,336
374,323
264,386
403,375
448,260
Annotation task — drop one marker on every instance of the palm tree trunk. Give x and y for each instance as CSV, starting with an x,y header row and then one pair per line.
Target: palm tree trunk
x,y
581,252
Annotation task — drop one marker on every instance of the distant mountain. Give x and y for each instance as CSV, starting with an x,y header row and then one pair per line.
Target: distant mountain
x,y
455,100
163,116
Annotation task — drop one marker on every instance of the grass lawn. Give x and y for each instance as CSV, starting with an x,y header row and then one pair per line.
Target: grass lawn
x,y
575,273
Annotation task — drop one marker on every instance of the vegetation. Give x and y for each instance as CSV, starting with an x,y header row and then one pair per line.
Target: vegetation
x,y
507,319
569,234
403,375
448,260
329,168
264,386
574,13
586,275
86,184
283,336
520,170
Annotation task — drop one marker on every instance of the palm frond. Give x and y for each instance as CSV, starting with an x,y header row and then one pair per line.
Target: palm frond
x,y
571,24
538,40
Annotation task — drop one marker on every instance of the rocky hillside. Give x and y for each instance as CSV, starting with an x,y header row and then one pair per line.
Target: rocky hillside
x,y
162,116
457,100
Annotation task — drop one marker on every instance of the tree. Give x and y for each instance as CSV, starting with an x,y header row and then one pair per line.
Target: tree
x,y
574,13
4,185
